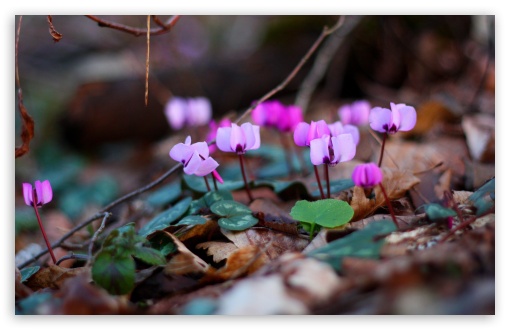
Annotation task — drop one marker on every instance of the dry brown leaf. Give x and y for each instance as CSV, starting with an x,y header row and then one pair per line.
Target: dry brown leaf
x,y
480,136
272,216
218,250
318,241
243,261
443,184
430,114
199,232
272,243
396,184
52,277
185,262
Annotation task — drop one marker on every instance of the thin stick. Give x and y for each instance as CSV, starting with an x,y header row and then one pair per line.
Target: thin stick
x,y
382,149
34,204
53,32
207,183
325,32
96,234
214,181
244,178
318,181
72,256
326,175
389,205
167,26
147,56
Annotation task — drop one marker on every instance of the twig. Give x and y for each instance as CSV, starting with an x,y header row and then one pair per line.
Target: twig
x,y
321,63
147,56
156,20
163,28
27,128
96,234
325,32
72,256
53,32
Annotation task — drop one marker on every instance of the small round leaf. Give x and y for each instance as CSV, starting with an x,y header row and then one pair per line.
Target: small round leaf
x,y
238,222
229,208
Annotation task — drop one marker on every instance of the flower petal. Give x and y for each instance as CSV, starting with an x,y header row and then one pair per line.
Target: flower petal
x,y
199,111
181,152
217,176
360,110
201,148
252,134
223,139
193,164
345,114
344,148
354,131
301,134
259,114
407,117
380,119
206,166
336,128
319,150
27,193
175,111
237,139
47,192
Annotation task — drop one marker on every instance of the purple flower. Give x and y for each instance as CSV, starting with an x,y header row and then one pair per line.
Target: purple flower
x,y
289,119
355,114
332,149
194,157
268,113
401,117
213,129
43,193
304,132
192,111
337,128
367,175
238,138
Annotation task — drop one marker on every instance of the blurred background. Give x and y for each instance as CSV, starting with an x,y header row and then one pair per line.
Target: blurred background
x,y
95,138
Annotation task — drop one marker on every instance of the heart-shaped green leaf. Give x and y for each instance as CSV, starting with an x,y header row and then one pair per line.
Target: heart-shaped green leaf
x,y
209,199
229,208
238,222
27,272
113,272
328,213
192,220
436,212
150,256
360,244
164,219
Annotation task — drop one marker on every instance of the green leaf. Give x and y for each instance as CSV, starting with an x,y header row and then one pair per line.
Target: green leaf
x,y
192,220
484,197
197,184
164,219
162,242
360,244
229,208
27,272
238,222
29,305
328,213
115,273
149,255
164,195
122,239
334,186
436,212
206,201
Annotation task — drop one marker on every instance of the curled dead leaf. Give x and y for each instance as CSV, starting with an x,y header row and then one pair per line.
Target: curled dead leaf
x,y
185,261
218,250
52,277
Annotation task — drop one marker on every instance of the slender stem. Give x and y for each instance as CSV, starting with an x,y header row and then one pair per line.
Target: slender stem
x,y
96,234
136,31
326,175
147,57
288,155
34,204
389,205
207,183
382,149
214,181
244,178
72,256
318,181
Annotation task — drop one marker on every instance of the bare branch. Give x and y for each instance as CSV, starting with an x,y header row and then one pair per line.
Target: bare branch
x,y
147,60
96,234
163,28
53,32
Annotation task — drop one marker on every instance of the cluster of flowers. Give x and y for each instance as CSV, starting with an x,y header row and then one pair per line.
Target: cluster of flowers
x,y
277,115
181,112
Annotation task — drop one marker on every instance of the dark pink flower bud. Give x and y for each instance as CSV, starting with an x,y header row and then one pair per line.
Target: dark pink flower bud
x,y
43,193
367,175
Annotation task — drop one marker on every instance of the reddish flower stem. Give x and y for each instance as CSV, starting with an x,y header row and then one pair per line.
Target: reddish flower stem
x,y
214,181
389,205
207,183
34,204
382,148
318,181
244,178
326,175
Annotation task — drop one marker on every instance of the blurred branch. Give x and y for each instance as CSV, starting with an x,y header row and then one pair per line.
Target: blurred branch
x,y
161,29
147,60
54,33
96,234
322,61
27,128
325,32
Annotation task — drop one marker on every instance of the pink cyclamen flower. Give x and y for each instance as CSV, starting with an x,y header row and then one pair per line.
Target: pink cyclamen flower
x,y
356,113
331,150
238,138
268,113
304,132
43,193
290,118
213,129
401,117
367,175
192,111
194,157
337,128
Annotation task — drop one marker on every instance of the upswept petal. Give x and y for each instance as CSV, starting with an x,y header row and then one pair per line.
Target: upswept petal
x,y
360,110
301,134
206,166
336,128
47,192
354,131
380,119
27,193
407,118
252,134
321,129
259,114
187,141
237,138
193,164
38,192
395,115
201,148
181,152
199,111
345,114
344,148
175,111
319,150
223,139
217,176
